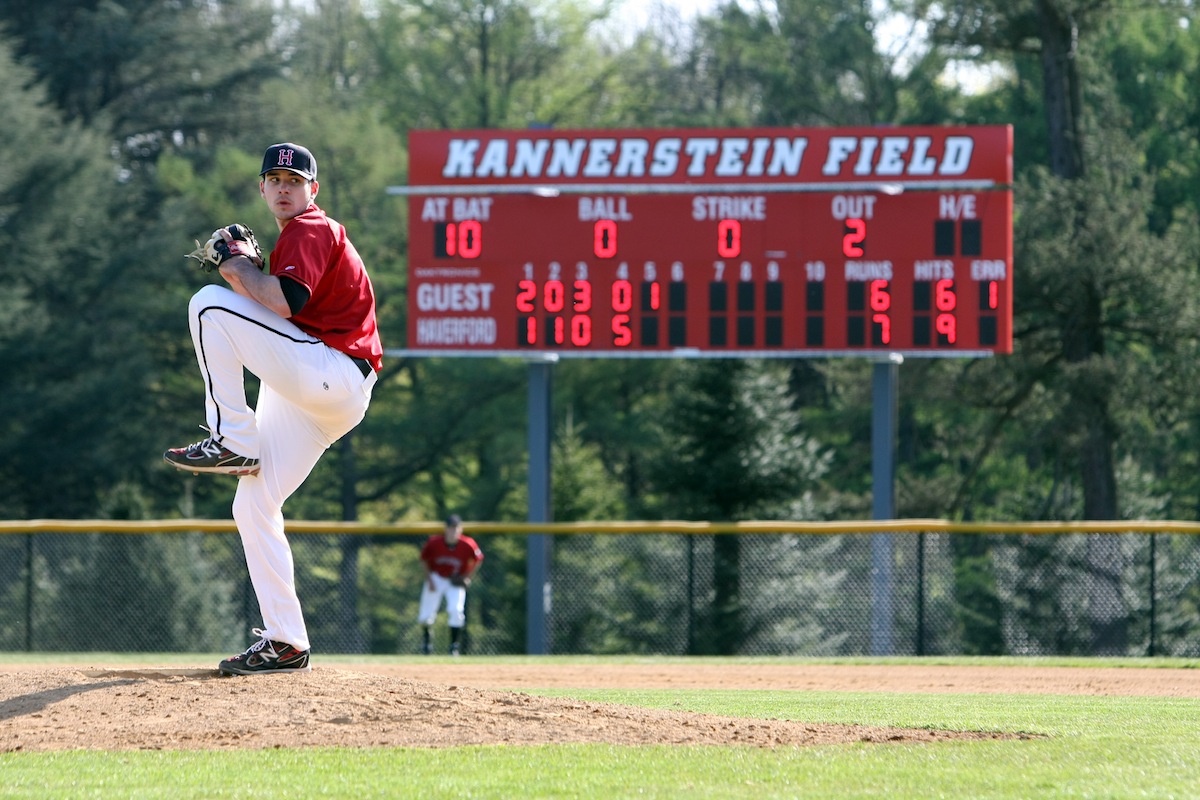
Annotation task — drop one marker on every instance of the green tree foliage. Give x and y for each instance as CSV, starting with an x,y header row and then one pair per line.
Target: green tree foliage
x,y
620,402
730,445
798,62
71,338
1153,60
1077,104
147,71
487,63
821,65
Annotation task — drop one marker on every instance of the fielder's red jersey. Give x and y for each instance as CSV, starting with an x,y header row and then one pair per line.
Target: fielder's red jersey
x,y
462,559
314,250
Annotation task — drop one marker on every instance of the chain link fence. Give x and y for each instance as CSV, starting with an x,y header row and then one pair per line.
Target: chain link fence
x,y
801,591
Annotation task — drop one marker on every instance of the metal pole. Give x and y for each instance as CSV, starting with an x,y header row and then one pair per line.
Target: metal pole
x,y
920,645
884,386
29,592
691,595
537,564
1153,651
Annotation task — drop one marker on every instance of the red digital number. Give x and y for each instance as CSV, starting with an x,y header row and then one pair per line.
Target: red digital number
x,y
947,326
944,296
622,296
582,298
885,327
993,294
604,238
531,330
881,299
729,238
655,296
554,296
470,238
526,294
581,330
622,334
856,232
460,240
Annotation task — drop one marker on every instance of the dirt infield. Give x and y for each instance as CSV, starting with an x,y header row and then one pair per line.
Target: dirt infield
x,y
440,704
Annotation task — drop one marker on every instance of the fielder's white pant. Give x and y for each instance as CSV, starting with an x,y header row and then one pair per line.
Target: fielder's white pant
x,y
310,395
431,600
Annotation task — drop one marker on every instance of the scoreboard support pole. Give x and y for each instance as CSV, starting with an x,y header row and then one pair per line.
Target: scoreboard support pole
x,y
885,382
538,553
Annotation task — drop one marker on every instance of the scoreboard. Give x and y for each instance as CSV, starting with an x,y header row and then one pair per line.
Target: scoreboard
x,y
785,242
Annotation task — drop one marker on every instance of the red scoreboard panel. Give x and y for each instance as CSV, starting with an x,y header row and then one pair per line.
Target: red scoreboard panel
x,y
783,242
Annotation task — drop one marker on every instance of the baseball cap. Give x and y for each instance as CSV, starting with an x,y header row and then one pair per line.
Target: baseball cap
x,y
291,157
453,521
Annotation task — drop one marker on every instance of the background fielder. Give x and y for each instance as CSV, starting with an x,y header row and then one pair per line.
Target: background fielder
x,y
450,559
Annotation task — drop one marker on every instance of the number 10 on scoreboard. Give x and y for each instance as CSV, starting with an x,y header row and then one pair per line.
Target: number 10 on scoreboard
x,y
458,239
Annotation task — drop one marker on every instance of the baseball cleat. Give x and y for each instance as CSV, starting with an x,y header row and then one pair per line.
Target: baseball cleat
x,y
265,657
210,456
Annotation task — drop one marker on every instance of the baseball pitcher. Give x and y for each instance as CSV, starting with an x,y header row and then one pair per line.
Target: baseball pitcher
x,y
305,326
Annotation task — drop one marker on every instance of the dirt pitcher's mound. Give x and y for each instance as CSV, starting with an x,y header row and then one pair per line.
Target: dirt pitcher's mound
x,y
194,709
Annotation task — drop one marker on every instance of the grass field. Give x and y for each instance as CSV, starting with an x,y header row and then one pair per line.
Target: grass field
x,y
1085,747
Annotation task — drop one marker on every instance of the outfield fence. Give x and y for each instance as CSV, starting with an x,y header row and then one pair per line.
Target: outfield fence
x,y
900,587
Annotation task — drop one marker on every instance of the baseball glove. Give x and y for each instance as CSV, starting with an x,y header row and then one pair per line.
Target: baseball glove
x,y
460,580
225,243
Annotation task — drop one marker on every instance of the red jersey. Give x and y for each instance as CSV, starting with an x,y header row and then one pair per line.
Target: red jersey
x,y
462,559
315,251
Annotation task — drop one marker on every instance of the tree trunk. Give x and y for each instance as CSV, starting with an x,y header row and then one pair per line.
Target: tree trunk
x,y
1060,89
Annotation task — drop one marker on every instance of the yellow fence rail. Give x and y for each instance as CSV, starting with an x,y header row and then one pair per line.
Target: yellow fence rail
x,y
648,527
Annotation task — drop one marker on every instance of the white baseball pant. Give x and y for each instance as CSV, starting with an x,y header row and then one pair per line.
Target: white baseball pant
x,y
431,600
310,395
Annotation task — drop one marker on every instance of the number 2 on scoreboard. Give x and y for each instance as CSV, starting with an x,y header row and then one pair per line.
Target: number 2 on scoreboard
x,y
853,238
